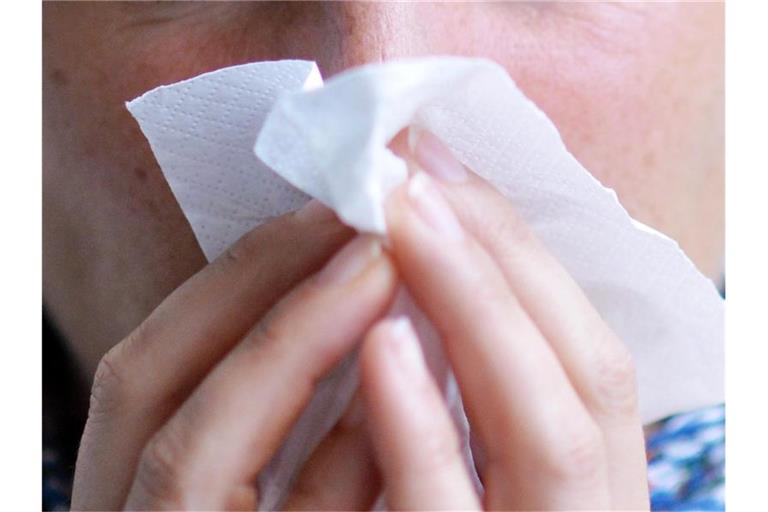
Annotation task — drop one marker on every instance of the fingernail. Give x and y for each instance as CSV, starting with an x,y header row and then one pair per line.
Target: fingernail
x,y
314,211
351,261
432,206
437,160
404,345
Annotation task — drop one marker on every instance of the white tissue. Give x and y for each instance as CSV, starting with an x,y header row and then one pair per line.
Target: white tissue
x,y
330,142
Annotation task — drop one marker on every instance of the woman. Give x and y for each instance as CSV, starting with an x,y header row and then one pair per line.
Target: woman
x,y
183,409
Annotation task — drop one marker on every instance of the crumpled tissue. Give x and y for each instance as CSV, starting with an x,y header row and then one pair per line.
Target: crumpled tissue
x,y
246,143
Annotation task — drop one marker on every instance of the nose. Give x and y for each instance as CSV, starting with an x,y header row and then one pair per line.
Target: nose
x,y
374,32
340,35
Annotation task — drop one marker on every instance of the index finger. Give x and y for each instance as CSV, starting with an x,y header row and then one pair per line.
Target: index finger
x,y
517,395
232,424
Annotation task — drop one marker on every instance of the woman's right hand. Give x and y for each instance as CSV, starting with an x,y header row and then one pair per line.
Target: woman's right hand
x,y
189,408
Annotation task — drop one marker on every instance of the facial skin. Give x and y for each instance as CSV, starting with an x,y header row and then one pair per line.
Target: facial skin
x,y
636,91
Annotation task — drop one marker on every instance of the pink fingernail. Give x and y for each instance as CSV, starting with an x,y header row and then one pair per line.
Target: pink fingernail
x,y
437,160
351,261
432,207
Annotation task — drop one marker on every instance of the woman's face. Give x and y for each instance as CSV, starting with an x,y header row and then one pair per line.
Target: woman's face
x,y
636,91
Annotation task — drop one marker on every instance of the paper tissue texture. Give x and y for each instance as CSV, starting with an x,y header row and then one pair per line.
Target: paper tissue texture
x,y
329,142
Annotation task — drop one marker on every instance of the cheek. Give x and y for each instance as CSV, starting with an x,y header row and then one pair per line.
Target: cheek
x,y
92,137
635,93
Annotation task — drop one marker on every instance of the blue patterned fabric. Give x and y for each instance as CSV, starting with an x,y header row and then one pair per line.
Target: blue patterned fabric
x,y
57,483
686,460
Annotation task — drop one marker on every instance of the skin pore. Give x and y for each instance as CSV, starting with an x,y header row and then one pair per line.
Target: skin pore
x,y
636,91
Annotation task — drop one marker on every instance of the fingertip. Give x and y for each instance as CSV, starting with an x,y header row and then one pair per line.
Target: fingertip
x,y
371,349
375,353
389,330
383,273
392,357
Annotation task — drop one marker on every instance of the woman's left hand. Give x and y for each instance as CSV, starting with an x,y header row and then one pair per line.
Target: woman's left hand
x,y
548,388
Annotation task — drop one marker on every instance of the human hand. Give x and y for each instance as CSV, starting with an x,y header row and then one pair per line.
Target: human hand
x,y
548,388
189,408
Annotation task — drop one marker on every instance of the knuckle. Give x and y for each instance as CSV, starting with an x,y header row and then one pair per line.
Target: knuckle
x,y
253,243
114,383
515,230
439,450
276,330
159,475
438,453
578,454
272,340
616,381
511,224
269,333
110,385
244,250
